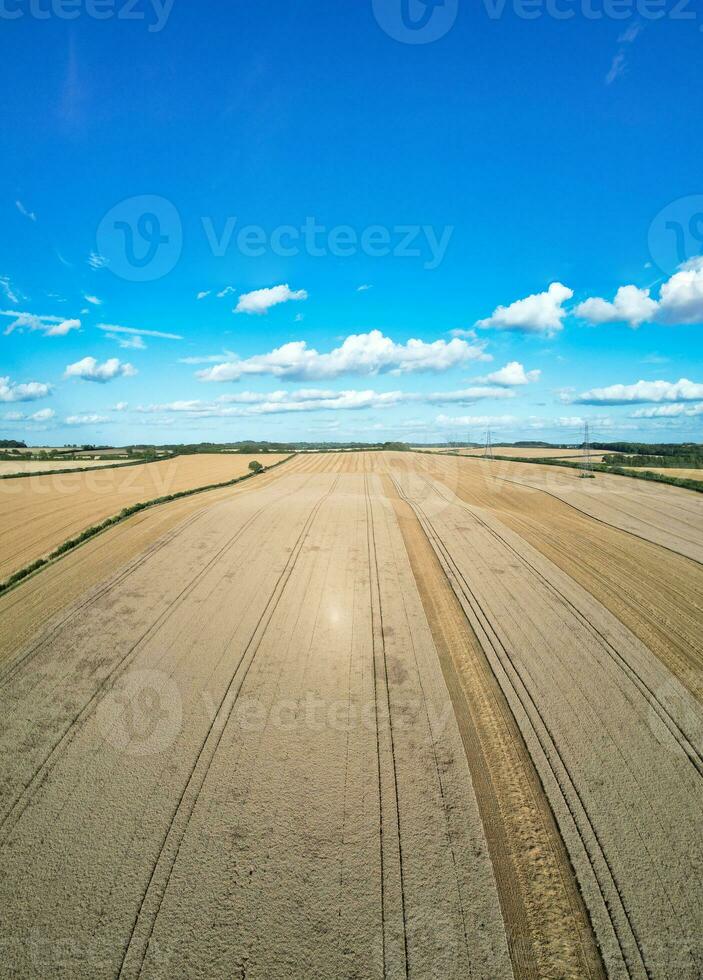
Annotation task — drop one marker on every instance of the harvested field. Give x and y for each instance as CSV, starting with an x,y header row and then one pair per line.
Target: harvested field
x,y
39,513
8,467
533,453
369,715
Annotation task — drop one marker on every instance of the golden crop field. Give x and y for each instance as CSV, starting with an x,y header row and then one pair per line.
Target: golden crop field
x,y
14,467
448,712
39,513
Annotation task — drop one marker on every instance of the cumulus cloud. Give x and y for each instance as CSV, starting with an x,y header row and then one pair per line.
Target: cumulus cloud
x,y
477,421
541,313
512,375
631,305
642,392
50,326
361,354
88,369
121,407
43,415
12,392
261,300
680,301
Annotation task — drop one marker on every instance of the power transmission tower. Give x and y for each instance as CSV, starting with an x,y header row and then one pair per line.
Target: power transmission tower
x,y
488,452
587,461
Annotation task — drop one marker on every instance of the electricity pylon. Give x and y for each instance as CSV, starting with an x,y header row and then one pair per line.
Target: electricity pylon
x,y
488,452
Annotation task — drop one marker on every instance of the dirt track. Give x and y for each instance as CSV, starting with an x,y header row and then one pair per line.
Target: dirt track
x,y
351,724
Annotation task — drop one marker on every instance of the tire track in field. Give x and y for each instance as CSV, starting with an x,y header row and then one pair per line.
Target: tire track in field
x,y
547,925
629,946
137,948
692,753
392,864
13,815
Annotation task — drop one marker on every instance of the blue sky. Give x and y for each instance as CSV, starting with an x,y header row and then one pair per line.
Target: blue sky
x,y
494,187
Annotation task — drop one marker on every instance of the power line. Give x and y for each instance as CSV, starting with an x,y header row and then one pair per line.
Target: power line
x,y
488,452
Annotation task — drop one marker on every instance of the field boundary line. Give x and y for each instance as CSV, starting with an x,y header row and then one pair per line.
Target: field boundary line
x,y
89,533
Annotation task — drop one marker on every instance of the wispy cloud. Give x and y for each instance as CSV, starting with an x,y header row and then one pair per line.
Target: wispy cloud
x,y
618,66
97,261
227,291
138,332
93,300
9,290
50,326
25,211
364,287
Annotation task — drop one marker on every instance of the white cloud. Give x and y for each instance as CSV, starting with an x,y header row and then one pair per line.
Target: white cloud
x,y
62,328
43,415
93,300
121,407
540,313
680,301
363,288
227,291
9,290
50,326
203,294
251,403
361,354
681,298
97,261
134,331
128,343
466,334
88,369
631,305
642,392
299,317
23,210
261,300
12,392
474,421
512,375
668,411
87,420
617,68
